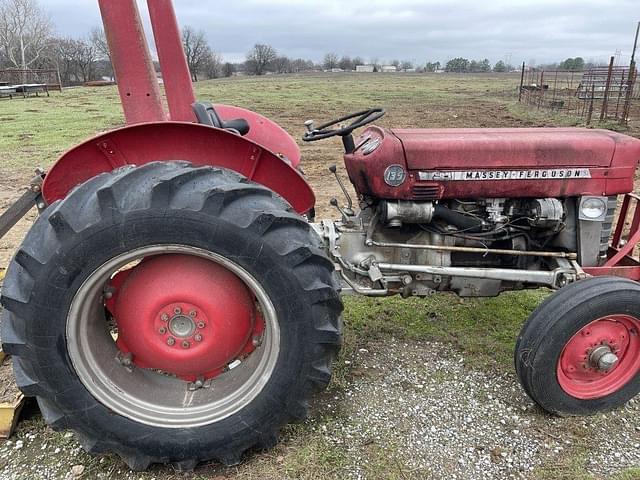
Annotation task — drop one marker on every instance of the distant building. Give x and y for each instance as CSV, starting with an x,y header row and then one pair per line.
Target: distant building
x,y
365,68
389,69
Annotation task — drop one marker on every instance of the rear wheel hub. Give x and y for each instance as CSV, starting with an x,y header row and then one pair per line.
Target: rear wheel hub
x,y
185,316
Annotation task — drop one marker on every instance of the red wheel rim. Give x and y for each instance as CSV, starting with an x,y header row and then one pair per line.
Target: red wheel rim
x,y
184,315
584,374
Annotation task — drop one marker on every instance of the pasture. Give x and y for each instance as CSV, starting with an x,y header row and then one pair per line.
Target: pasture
x,y
401,358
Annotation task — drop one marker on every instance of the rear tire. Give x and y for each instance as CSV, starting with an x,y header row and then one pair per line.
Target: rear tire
x,y
171,204
556,353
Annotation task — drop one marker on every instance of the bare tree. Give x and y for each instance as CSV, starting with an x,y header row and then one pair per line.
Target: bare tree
x,y
330,61
406,65
301,65
358,61
346,64
85,57
213,65
64,53
260,58
228,69
282,65
101,47
76,60
196,49
25,32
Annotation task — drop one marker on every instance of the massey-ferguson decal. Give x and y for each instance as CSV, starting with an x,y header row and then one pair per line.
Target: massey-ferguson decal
x,y
462,175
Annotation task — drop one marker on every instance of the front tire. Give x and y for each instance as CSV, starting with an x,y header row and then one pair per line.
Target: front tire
x,y
579,351
250,273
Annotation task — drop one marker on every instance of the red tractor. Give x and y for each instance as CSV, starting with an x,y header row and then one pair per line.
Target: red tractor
x,y
176,303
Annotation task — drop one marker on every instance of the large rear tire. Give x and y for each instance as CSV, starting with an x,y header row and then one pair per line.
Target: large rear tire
x,y
200,239
579,351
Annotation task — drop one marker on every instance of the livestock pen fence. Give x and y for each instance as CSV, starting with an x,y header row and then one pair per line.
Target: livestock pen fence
x,y
598,93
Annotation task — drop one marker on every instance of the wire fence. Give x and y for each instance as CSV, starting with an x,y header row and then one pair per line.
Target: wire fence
x,y
603,93
50,78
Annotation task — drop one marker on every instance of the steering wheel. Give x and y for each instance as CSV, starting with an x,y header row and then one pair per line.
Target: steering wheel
x,y
360,119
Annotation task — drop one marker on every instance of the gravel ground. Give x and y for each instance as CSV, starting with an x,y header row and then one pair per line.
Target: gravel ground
x,y
442,416
409,410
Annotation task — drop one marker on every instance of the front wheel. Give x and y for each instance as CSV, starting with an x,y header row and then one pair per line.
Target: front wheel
x,y
171,314
579,351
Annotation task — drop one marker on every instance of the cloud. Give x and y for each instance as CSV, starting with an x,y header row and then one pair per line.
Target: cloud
x,y
418,30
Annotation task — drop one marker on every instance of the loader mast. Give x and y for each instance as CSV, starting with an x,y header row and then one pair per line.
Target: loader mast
x,y
133,65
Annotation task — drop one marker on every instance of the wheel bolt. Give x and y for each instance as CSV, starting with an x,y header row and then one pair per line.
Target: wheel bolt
x,y
197,338
185,344
164,317
171,341
201,325
257,341
162,330
192,313
177,310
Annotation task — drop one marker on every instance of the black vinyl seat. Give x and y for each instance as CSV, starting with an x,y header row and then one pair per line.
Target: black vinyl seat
x,y
207,115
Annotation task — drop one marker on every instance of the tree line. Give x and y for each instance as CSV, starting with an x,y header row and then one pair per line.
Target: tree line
x,y
28,41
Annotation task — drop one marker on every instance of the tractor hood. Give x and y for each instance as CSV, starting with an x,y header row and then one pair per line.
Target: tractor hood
x,y
516,147
433,164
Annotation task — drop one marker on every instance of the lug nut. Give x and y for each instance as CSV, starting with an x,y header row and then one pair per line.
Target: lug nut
x,y
108,294
192,313
177,310
201,325
257,341
164,317
171,341
126,360
185,344
162,330
197,338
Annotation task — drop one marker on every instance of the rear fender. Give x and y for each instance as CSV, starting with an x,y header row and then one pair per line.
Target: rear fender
x,y
264,132
162,141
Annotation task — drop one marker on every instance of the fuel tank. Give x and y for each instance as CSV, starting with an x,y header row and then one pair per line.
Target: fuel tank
x,y
432,164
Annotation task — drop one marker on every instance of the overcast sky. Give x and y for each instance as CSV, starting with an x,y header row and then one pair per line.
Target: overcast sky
x,y
416,30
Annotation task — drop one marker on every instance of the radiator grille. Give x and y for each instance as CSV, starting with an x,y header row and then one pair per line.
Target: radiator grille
x,y
607,225
427,192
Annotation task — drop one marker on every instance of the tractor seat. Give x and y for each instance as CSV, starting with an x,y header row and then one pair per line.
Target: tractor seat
x,y
207,115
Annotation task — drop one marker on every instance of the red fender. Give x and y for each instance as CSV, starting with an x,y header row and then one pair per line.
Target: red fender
x,y
199,144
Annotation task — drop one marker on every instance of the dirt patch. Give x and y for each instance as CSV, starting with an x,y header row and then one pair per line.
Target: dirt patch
x,y
9,392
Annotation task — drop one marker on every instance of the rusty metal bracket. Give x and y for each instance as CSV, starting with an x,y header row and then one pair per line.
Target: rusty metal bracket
x,y
32,197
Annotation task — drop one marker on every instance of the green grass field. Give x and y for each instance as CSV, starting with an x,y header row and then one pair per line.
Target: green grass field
x,y
34,132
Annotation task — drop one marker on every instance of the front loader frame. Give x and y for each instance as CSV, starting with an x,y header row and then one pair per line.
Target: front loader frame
x,y
622,258
31,196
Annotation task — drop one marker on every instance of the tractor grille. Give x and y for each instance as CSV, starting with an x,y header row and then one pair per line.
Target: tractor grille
x,y
427,192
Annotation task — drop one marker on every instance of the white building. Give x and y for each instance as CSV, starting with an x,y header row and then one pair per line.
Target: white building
x,y
364,68
389,69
